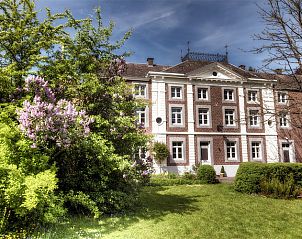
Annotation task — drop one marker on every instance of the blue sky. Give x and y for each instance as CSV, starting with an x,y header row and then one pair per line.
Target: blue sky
x,y
161,28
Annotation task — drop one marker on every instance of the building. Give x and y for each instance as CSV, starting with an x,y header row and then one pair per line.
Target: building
x,y
212,112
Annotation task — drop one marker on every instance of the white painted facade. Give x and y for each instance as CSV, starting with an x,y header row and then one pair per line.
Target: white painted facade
x,y
211,76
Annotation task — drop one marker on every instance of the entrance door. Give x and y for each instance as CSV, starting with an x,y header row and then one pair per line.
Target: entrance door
x,y
285,152
205,155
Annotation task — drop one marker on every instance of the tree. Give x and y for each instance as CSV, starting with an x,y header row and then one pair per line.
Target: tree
x,y
23,40
282,35
79,73
282,40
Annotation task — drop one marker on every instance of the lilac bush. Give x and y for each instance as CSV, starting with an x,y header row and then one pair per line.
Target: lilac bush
x,y
47,119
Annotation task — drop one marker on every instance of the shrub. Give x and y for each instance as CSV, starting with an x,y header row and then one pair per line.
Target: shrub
x,y
160,151
279,180
222,171
280,189
189,175
206,173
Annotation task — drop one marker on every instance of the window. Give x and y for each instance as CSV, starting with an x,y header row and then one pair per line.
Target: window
x,y
140,153
283,120
177,150
202,94
140,90
141,114
282,97
254,118
176,92
256,152
176,115
231,150
229,117
253,96
203,116
228,94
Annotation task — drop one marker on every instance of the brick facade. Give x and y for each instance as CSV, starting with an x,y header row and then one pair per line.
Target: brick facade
x,y
254,110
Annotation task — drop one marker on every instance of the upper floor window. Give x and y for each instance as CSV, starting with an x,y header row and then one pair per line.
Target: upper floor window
x,y
176,115
176,92
254,118
282,97
203,93
231,150
256,151
228,95
229,117
141,114
252,96
283,120
177,150
140,90
203,116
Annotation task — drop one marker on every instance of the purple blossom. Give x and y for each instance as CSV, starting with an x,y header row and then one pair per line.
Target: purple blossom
x,y
46,119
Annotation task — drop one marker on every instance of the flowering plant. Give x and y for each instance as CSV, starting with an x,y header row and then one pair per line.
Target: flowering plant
x,y
47,119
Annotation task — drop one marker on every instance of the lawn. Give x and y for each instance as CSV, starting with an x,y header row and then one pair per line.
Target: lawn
x,y
193,211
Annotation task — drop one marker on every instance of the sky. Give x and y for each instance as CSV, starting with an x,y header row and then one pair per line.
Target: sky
x,y
162,28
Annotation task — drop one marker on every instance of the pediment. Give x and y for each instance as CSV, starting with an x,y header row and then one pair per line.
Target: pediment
x,y
215,72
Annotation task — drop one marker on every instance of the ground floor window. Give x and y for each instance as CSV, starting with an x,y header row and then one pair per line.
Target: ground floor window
x,y
231,150
256,151
177,150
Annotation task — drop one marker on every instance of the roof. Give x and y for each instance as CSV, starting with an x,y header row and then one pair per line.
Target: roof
x,y
284,82
141,70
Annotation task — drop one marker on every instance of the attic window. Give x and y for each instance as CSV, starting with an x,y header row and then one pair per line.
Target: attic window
x,y
214,73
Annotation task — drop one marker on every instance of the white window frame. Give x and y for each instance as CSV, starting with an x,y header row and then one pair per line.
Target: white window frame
x,y
138,92
282,97
252,118
292,154
182,115
207,93
236,147
178,147
173,94
284,120
225,117
209,117
260,147
177,115
230,93
250,99
210,148
184,151
139,112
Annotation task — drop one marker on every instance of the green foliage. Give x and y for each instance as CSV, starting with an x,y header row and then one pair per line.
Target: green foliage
x,y
206,173
174,179
280,189
160,151
95,175
26,186
281,180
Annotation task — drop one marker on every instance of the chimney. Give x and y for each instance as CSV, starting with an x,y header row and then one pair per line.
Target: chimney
x,y
242,67
150,61
278,71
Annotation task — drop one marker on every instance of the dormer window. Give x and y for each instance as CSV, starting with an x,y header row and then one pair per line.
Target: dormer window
x,y
228,95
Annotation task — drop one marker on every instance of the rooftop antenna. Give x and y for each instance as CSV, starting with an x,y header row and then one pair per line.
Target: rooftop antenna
x,y
226,52
188,46
181,54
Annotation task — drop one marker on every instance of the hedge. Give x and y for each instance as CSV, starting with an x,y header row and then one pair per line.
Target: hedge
x,y
250,176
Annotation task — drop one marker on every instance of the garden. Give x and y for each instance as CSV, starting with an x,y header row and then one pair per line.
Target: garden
x,y
69,139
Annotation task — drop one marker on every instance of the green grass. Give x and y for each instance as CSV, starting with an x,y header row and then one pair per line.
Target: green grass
x,y
193,211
